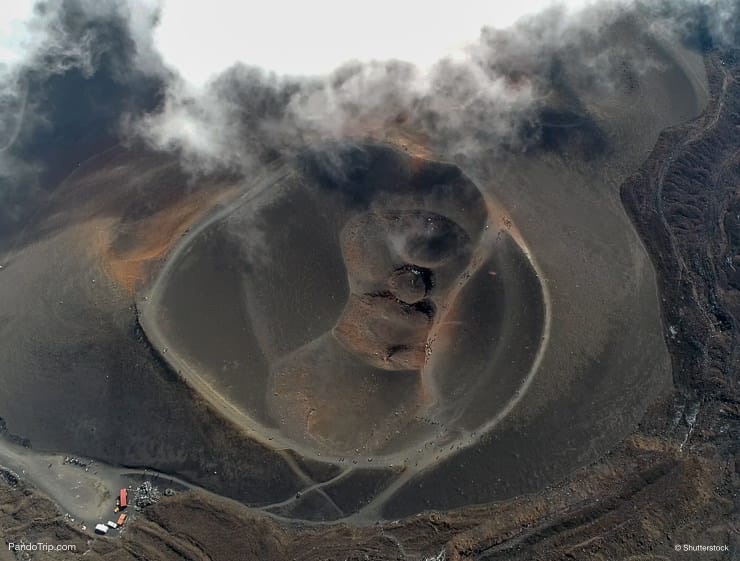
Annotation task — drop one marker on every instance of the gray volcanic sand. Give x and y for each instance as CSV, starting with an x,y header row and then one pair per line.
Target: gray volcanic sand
x,y
79,377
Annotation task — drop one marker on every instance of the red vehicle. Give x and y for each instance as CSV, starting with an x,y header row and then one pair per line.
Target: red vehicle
x,y
123,498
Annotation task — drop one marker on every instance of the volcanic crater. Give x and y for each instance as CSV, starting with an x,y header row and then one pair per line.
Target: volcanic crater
x,y
404,249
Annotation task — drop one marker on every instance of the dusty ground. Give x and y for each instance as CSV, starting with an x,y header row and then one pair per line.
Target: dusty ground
x,y
605,360
673,481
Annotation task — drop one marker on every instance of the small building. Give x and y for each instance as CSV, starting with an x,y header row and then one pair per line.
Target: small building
x,y
101,529
122,519
123,498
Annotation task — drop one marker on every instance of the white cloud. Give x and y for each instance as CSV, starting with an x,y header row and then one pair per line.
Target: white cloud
x,y
448,74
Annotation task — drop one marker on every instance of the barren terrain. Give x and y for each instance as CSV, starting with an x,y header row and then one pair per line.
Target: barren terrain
x,y
673,480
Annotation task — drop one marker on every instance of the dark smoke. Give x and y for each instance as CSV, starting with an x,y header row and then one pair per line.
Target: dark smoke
x,y
66,101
